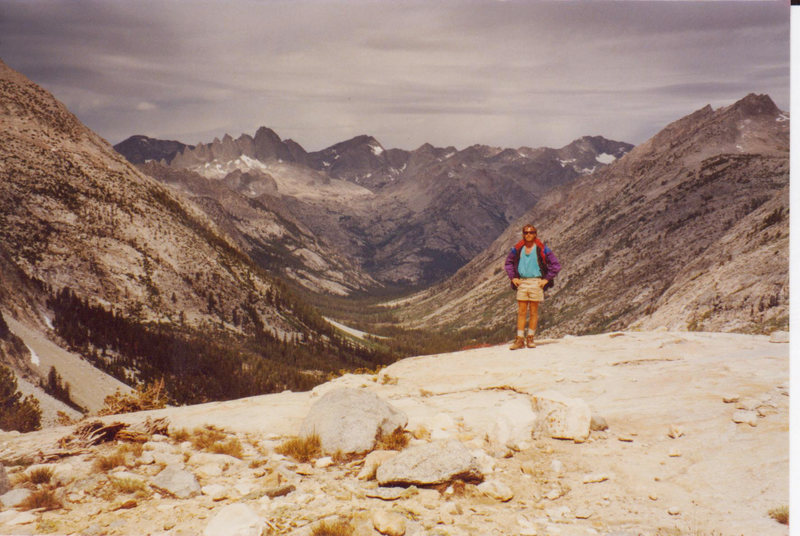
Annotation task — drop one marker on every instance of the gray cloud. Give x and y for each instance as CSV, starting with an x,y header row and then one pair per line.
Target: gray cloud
x,y
449,72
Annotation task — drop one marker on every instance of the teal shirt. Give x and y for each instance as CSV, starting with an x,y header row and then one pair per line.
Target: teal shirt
x,y
529,264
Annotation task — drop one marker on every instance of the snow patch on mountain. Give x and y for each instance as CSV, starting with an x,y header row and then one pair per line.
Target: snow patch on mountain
x,y
605,158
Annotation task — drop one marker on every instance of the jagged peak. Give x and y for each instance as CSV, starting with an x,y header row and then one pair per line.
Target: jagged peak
x,y
754,104
266,132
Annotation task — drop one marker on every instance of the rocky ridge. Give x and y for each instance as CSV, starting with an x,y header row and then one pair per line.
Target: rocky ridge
x,y
689,230
86,237
668,410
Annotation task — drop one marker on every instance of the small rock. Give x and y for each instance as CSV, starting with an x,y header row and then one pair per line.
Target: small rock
x,y
560,417
389,523
215,491
675,431
554,493
595,477
236,519
527,527
126,505
653,497
373,460
765,410
243,488
22,518
583,514
209,470
304,469
748,404
779,337
674,511
178,482
446,518
625,438
745,417
496,490
674,453
322,463
430,463
386,494
559,513
14,497
557,467
598,424
731,398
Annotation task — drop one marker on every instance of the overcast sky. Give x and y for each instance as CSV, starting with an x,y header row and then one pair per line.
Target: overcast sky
x,y
510,74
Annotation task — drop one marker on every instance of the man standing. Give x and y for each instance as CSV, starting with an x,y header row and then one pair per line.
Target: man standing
x,y
531,267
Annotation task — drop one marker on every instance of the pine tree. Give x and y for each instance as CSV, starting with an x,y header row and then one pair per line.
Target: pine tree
x,y
15,414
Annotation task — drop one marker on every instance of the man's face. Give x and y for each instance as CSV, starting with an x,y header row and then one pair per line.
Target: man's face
x,y
529,234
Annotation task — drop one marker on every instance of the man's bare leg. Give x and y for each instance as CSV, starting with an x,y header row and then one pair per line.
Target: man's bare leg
x,y
519,340
534,321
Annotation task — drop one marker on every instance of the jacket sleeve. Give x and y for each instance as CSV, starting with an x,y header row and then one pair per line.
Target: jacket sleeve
x,y
511,269
553,266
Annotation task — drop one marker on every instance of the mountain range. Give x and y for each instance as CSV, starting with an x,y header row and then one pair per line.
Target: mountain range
x,y
136,277
395,213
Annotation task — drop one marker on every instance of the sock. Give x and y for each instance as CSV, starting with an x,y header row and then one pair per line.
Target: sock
x,y
520,333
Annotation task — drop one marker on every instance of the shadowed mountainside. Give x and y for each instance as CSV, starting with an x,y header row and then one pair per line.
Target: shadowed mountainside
x,y
689,230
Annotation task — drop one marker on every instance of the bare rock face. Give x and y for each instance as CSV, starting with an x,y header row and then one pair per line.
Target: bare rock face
x,y
350,420
429,464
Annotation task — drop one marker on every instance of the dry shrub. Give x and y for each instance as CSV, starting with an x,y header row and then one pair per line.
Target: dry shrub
x,y
231,447
204,438
333,528
134,449
151,396
258,462
131,485
62,419
41,475
302,449
397,440
780,514
106,463
43,498
211,439
179,436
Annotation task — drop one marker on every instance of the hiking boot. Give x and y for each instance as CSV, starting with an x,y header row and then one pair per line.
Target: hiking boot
x,y
519,342
529,342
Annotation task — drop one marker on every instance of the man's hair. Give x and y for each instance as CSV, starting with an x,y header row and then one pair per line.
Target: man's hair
x,y
529,226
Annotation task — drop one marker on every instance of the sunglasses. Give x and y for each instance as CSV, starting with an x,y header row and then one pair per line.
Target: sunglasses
x,y
529,232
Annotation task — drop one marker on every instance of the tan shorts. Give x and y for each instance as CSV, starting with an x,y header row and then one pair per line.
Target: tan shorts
x,y
529,290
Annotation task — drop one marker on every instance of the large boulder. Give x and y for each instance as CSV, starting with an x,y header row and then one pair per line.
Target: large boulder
x,y
561,417
430,463
235,520
350,420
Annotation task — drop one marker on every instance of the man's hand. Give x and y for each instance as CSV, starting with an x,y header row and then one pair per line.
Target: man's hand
x,y
516,281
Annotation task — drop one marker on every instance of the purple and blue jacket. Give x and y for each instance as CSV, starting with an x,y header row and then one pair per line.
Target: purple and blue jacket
x,y
548,263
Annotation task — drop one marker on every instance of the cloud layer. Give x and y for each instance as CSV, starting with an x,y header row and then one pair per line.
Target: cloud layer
x,y
448,72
